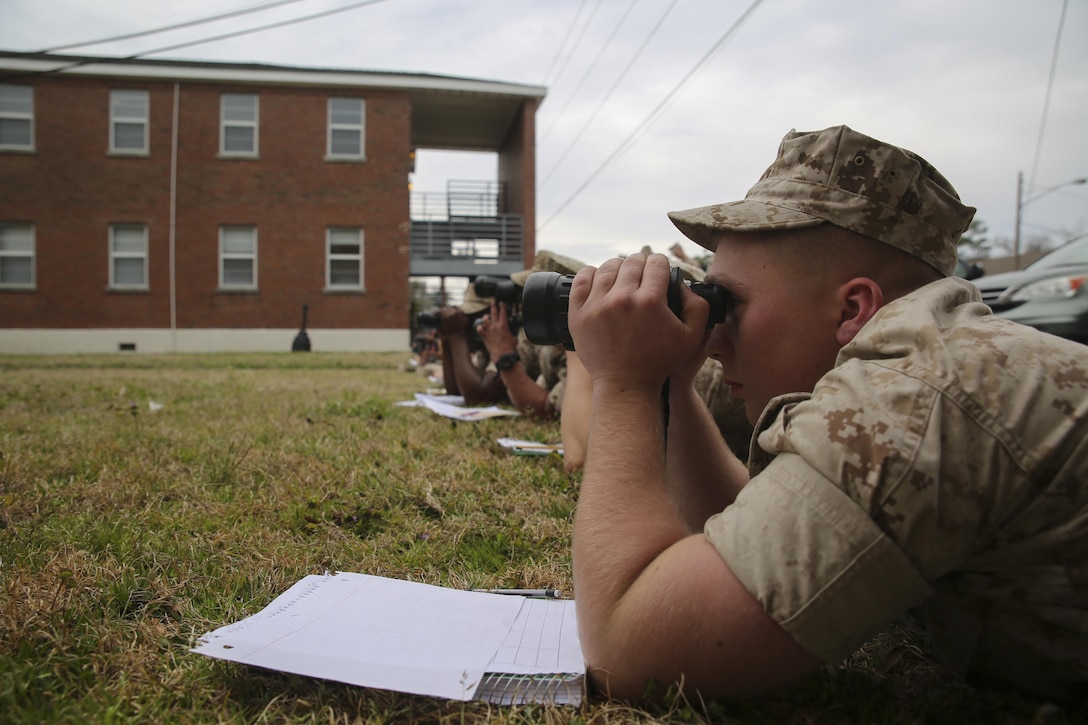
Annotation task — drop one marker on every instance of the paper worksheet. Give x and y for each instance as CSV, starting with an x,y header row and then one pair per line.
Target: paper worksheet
x,y
409,637
453,406
529,448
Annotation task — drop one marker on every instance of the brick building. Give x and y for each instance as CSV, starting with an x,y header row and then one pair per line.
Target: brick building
x,y
165,206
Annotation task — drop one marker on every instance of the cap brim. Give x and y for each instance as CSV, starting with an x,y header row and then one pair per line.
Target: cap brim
x,y
703,224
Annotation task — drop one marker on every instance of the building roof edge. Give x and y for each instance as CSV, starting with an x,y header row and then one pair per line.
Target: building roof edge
x,y
25,63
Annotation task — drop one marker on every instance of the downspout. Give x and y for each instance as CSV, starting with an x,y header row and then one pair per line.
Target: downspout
x,y
173,223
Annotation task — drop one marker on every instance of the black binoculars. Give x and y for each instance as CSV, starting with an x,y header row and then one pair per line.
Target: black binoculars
x,y
546,300
498,289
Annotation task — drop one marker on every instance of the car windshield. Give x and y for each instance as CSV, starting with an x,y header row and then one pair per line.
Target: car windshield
x,y
1075,252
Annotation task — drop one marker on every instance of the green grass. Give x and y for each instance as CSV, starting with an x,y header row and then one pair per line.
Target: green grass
x,y
127,533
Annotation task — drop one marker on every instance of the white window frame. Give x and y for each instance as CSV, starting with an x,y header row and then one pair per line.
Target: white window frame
x,y
335,239
119,116
117,255
17,107
7,253
252,124
340,126
234,255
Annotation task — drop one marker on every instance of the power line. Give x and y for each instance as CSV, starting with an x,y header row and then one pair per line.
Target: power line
x,y
607,96
566,37
1046,101
201,41
578,41
589,70
657,109
270,26
177,26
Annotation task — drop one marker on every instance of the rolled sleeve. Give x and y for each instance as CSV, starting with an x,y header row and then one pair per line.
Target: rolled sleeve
x,y
819,565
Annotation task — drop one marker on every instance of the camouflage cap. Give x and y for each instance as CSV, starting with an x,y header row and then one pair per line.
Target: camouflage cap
x,y
546,261
473,303
852,181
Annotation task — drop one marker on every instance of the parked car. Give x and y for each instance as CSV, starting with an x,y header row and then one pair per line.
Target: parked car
x,y
968,271
1050,294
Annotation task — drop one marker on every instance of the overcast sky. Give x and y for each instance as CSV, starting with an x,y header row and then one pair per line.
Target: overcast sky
x,y
964,83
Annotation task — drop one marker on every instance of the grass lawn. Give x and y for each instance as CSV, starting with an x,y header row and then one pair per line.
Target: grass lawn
x,y
126,533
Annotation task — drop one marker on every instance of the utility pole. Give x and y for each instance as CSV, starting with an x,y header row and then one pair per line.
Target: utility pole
x,y
1021,202
1019,206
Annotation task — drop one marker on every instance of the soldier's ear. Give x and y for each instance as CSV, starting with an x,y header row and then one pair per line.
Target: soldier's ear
x,y
859,299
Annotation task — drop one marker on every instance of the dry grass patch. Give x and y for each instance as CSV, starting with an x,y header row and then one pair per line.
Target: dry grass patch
x,y
127,532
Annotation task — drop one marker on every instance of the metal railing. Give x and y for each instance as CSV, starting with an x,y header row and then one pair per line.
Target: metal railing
x,y
499,238
461,199
465,231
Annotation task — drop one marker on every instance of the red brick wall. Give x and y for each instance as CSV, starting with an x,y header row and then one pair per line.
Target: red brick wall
x,y
517,167
72,190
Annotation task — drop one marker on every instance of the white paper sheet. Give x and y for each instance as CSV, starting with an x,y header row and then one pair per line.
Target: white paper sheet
x,y
542,640
458,400
452,406
374,632
529,448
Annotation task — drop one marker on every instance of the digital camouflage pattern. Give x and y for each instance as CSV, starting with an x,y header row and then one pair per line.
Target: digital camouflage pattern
x,y
939,467
547,365
852,181
548,261
473,303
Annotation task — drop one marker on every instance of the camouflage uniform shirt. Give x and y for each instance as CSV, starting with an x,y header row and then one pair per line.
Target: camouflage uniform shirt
x,y
942,467
547,365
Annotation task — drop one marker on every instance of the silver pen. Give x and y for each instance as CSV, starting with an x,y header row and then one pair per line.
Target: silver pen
x,y
539,593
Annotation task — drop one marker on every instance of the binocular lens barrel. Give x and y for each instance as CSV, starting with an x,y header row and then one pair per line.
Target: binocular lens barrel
x,y
546,299
544,304
428,320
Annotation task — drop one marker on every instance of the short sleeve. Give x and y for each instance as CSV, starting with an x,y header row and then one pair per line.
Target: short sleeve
x,y
819,565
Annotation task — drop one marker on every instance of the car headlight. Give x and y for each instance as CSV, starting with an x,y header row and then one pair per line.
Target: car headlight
x,y
1053,288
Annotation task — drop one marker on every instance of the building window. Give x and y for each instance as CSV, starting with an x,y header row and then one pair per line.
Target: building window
x,y
128,256
16,256
128,122
238,257
16,118
238,127
347,128
344,270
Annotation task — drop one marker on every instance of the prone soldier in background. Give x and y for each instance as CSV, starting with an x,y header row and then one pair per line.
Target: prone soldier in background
x,y
464,356
486,357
